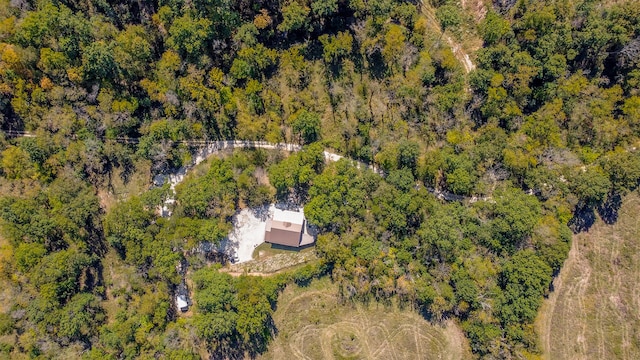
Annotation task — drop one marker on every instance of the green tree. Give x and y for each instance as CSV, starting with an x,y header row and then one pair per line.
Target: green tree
x,y
298,170
25,221
338,47
393,45
295,17
16,163
402,179
217,303
98,62
79,319
440,234
514,214
623,169
408,152
214,291
58,275
339,196
254,311
324,8
493,28
448,16
542,126
222,13
189,35
460,181
214,194
591,185
482,335
53,63
307,125
132,52
125,229
28,255
218,326
524,280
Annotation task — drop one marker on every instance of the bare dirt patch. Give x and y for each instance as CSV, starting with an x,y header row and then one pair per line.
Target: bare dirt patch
x,y
313,324
594,312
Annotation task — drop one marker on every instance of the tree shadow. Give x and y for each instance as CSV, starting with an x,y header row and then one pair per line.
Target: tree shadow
x,y
261,212
228,350
585,215
377,67
583,219
609,209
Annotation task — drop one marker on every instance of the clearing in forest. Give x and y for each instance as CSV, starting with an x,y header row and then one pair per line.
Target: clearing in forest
x,y
312,324
594,312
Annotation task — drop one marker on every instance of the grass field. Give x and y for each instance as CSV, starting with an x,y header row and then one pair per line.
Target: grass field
x,y
312,324
594,312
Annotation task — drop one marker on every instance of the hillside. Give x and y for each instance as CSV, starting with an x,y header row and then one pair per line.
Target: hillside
x,y
594,310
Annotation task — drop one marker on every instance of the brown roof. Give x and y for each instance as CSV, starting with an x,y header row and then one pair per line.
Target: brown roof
x,y
283,233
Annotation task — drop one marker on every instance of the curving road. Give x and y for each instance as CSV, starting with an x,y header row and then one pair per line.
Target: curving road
x,y
206,148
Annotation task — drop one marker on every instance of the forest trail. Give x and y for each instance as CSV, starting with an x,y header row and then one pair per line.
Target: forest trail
x,y
461,55
458,50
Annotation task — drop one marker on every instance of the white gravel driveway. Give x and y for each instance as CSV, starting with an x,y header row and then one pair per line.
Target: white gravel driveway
x,y
247,234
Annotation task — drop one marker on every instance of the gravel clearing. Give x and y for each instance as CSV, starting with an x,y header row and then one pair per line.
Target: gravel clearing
x,y
247,234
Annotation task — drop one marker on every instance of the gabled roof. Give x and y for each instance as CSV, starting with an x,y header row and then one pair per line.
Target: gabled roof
x,y
287,228
286,216
280,233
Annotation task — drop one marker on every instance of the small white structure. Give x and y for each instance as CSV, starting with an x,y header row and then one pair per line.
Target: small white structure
x,y
181,303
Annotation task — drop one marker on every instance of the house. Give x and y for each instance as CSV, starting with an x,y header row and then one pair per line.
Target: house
x,y
287,228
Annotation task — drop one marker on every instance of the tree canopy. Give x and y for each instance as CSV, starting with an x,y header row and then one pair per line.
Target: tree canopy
x,y
456,196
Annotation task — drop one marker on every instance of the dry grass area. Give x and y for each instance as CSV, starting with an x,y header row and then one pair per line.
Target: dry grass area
x,y
594,312
119,189
268,260
312,324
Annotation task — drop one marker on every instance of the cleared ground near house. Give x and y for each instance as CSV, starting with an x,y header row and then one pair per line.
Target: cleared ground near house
x,y
594,312
312,324
268,260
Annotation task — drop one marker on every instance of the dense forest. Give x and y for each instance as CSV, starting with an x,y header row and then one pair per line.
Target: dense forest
x,y
535,140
